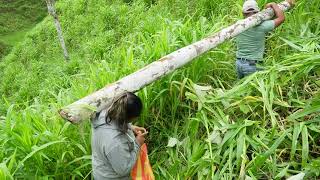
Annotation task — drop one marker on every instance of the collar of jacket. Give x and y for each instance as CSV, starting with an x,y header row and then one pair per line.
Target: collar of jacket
x,y
100,122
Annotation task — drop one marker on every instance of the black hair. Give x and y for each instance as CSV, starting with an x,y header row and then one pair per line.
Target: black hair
x,y
125,108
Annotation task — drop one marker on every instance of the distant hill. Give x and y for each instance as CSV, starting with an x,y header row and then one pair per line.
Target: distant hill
x,y
17,17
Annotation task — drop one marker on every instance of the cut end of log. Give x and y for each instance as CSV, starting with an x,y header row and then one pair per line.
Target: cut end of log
x,y
71,117
76,113
65,115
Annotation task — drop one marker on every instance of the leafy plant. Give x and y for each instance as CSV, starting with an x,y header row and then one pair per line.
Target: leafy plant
x,y
265,126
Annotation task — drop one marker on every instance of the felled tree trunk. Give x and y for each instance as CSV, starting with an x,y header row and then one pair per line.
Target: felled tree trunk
x,y
85,107
52,12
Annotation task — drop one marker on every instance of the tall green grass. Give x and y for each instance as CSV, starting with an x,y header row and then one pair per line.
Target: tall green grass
x,y
265,126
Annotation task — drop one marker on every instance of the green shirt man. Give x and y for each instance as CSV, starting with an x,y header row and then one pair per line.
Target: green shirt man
x,y
251,43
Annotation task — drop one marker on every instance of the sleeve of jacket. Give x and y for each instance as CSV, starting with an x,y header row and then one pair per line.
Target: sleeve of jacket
x,y
122,159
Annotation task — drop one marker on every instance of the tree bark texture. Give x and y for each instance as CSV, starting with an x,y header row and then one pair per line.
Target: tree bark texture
x,y
52,12
101,99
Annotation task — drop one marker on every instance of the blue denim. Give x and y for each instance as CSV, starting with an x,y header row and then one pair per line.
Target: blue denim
x,y
245,68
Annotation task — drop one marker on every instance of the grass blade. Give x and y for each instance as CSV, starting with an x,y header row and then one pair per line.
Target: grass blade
x,y
305,146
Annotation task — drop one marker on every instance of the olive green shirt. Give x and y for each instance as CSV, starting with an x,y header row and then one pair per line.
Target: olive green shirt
x,y
251,43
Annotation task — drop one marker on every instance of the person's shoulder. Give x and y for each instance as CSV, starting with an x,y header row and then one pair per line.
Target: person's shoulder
x,y
266,26
108,137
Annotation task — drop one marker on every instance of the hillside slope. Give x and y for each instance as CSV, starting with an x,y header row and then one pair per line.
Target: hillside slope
x,y
265,126
17,17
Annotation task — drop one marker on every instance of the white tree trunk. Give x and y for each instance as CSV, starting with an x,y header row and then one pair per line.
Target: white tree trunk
x,y
52,12
85,107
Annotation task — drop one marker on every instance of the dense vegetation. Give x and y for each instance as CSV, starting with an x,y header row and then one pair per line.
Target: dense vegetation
x,y
203,122
17,17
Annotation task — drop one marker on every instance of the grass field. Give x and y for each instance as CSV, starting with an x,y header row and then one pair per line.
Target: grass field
x,y
203,122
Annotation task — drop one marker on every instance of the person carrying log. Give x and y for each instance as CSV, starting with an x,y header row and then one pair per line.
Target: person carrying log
x,y
115,142
78,111
251,43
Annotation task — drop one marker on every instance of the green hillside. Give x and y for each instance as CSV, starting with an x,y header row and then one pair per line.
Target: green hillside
x,y
18,17
203,123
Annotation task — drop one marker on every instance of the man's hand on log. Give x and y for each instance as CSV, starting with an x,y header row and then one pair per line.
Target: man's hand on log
x,y
270,5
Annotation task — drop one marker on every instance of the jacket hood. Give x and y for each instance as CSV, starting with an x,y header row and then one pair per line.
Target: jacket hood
x,y
100,122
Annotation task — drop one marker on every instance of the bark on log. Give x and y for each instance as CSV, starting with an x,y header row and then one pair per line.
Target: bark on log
x,y
52,12
85,107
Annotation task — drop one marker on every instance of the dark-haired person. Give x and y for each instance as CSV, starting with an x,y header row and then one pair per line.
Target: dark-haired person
x,y
115,142
251,43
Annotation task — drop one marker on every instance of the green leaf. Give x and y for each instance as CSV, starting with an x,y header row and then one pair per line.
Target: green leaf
x,y
291,44
296,131
260,160
35,151
305,146
299,176
244,108
86,157
241,146
305,112
282,173
4,172
12,160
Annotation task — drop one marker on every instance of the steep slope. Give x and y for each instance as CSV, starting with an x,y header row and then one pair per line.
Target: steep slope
x,y
265,125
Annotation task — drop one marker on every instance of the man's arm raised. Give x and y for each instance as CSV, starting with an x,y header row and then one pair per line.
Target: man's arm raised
x,y
278,13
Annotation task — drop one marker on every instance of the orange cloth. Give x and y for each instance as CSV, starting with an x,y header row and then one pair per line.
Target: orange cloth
x,y
142,169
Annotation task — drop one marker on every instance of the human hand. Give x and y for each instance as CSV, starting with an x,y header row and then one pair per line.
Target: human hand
x,y
137,130
270,5
140,137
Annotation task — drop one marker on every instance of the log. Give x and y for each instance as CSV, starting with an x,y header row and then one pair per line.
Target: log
x,y
101,99
52,12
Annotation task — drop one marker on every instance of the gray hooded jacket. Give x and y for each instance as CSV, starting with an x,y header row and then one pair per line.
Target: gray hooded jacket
x,y
113,153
